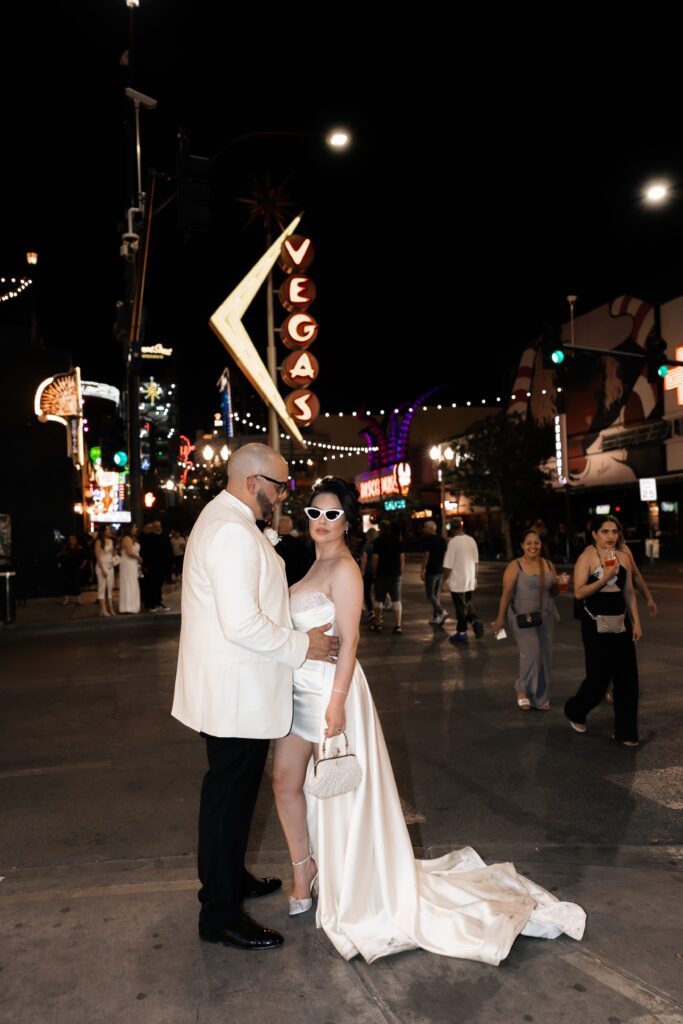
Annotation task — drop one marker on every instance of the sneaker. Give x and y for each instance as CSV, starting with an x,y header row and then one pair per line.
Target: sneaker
x,y
435,620
442,618
459,638
478,627
397,629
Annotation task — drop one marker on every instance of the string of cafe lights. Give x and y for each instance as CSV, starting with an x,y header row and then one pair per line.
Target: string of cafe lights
x,y
20,285
340,450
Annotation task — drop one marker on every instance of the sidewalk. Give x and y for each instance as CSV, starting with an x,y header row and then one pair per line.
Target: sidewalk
x,y
50,614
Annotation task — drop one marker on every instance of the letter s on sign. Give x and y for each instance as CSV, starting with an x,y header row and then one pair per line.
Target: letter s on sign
x,y
303,406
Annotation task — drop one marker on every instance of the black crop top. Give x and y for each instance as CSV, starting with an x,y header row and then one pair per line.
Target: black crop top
x,y
609,600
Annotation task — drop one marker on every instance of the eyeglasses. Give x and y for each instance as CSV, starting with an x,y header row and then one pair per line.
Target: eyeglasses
x,y
330,513
280,486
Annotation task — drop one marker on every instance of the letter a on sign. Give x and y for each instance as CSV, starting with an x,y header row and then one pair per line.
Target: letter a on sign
x,y
299,369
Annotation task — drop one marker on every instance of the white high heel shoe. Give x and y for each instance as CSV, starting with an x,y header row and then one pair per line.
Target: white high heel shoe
x,y
300,906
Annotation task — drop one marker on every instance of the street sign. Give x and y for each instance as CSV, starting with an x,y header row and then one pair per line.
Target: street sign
x,y
648,488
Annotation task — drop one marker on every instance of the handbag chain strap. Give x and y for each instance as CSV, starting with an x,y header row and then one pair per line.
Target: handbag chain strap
x,y
322,749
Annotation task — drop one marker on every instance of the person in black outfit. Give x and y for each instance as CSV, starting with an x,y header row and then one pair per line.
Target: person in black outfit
x,y
387,567
157,557
603,584
297,555
431,573
72,561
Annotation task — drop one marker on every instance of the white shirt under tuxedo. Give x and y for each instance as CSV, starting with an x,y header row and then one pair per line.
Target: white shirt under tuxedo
x,y
237,645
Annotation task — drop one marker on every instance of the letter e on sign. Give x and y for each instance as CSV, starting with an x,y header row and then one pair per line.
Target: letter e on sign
x,y
302,406
297,293
299,370
297,254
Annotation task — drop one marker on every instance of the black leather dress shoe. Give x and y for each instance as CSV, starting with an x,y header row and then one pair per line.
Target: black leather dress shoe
x,y
246,934
260,886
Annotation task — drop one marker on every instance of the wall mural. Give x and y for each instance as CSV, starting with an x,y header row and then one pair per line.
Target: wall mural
x,y
605,398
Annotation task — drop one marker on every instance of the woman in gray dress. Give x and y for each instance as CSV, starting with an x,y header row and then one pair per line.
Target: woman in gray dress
x,y
521,596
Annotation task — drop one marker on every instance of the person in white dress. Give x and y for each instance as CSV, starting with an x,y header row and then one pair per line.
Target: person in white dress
x,y
374,897
129,572
104,570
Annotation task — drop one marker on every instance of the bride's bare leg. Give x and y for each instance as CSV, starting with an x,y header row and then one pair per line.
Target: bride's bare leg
x,y
290,758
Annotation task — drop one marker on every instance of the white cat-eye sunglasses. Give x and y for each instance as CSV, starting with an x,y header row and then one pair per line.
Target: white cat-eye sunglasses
x,y
330,513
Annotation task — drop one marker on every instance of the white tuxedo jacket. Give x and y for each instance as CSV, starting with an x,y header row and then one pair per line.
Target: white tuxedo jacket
x,y
237,645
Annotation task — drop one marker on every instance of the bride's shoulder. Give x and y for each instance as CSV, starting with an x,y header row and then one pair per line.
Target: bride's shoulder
x,y
345,570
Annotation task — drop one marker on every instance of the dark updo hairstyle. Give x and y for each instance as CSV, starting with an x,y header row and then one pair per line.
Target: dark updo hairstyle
x,y
528,532
347,496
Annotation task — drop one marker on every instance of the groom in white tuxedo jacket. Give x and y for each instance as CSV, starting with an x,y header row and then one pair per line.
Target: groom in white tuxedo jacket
x,y
234,680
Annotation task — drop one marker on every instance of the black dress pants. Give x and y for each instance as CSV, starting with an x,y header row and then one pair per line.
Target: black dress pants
x,y
609,656
464,610
228,798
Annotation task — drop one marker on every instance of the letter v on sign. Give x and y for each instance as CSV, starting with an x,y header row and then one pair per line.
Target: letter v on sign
x,y
226,322
297,254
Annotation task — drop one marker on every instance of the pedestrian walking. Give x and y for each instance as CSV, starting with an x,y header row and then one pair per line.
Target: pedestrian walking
x,y
431,571
460,565
610,628
366,571
388,559
529,585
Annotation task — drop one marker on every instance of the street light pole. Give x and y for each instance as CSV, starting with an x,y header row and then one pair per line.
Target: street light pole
x,y
139,213
271,355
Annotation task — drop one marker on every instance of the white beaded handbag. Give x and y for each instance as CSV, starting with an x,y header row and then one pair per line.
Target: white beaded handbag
x,y
339,773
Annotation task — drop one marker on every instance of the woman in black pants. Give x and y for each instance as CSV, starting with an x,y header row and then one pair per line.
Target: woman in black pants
x,y
610,627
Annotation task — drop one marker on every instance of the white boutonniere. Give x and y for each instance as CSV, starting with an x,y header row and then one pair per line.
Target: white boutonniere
x,y
272,535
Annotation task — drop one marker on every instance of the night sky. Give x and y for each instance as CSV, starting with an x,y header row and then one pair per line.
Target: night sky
x,y
496,167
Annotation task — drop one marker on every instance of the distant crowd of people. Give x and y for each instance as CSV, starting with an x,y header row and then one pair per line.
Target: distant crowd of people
x,y
141,562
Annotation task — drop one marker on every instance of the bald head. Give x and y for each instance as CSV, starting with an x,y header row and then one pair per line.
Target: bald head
x,y
248,468
430,526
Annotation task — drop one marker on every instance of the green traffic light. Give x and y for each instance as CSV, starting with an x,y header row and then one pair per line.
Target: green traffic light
x,y
557,356
663,370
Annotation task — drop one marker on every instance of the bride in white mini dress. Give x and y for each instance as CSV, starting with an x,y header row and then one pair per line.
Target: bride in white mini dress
x,y
374,897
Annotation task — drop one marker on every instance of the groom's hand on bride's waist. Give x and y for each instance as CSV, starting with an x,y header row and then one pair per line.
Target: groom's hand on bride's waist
x,y
321,647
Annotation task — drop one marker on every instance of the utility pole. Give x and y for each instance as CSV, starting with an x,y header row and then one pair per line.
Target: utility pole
x,y
138,220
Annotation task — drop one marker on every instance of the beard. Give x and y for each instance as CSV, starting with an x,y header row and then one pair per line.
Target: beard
x,y
266,507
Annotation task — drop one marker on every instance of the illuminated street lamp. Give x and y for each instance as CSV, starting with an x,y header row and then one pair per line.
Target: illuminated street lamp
x,y
338,138
657,192
225,453
32,258
207,453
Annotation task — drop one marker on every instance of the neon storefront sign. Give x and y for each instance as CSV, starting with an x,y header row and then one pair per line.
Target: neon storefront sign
x,y
394,480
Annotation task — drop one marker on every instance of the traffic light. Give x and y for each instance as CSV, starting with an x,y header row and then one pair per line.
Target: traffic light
x,y
193,189
655,357
552,348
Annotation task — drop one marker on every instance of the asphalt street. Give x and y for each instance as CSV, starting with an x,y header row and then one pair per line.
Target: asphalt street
x,y
98,800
